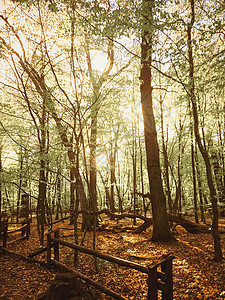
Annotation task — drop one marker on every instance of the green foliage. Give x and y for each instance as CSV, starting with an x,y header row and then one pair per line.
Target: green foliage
x,y
64,74
52,5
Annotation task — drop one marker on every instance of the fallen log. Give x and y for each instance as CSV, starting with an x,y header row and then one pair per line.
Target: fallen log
x,y
188,225
111,214
148,222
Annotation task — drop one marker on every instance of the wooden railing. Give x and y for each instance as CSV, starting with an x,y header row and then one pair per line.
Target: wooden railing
x,y
160,276
25,232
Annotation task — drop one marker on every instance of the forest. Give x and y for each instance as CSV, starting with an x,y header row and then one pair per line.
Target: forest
x,y
112,141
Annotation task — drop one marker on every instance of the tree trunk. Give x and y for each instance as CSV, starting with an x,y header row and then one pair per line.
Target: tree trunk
x,y
72,191
215,232
118,190
199,187
178,203
194,179
42,137
59,191
93,149
218,171
161,230
106,187
20,185
112,177
165,160
41,202
134,163
97,82
142,179
0,182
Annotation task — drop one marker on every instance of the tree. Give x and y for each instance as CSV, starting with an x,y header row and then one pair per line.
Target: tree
x,y
95,106
0,181
161,230
217,248
38,83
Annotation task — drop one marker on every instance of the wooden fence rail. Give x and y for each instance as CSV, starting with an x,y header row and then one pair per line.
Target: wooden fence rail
x,y
160,276
25,232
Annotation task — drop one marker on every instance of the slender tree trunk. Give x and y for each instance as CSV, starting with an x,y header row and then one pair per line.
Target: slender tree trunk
x,y
194,179
177,207
72,192
20,185
93,150
75,173
0,182
76,208
199,187
219,167
47,199
166,161
218,171
118,190
161,230
58,188
112,189
142,179
112,179
215,232
50,198
97,82
41,202
179,168
134,164
42,137
106,187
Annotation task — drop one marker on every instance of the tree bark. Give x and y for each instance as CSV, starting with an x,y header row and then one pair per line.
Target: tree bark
x,y
93,150
215,232
134,163
194,179
199,187
95,106
142,180
165,160
0,182
112,177
218,171
41,202
161,230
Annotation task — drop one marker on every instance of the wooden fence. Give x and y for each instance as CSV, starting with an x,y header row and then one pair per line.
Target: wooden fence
x,y
24,228
159,276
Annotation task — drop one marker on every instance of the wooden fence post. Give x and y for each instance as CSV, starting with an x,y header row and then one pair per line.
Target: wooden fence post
x,y
56,245
166,267
23,230
48,249
5,228
28,228
152,283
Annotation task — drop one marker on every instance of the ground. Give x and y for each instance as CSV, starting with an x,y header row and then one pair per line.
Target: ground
x,y
195,274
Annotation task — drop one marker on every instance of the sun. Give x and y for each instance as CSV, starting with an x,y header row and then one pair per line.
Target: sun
x,y
99,60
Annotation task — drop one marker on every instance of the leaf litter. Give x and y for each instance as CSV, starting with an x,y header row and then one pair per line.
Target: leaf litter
x,y
195,274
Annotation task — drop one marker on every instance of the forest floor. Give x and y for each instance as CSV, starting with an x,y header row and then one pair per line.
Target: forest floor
x,y
196,275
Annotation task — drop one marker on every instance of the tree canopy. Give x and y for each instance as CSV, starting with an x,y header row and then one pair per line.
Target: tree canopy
x,y
72,130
